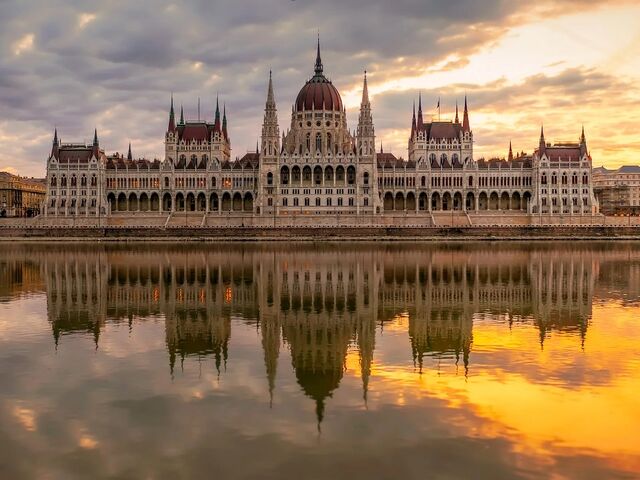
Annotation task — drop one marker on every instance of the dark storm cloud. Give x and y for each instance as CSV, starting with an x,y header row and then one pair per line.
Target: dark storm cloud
x,y
128,56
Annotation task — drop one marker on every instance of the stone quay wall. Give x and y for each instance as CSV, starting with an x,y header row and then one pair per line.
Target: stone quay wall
x,y
249,233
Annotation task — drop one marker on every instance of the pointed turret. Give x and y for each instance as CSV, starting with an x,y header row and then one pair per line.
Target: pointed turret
x,y
465,118
366,130
129,156
181,115
420,124
542,145
583,143
270,128
365,91
96,144
224,121
457,119
172,120
413,121
271,102
510,152
55,148
318,67
216,125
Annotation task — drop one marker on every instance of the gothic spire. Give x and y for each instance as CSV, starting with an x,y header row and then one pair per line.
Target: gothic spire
x,y
318,66
129,156
365,91
270,97
465,118
96,145
510,152
420,121
457,119
224,120
542,144
56,144
181,115
583,139
172,119
413,120
216,125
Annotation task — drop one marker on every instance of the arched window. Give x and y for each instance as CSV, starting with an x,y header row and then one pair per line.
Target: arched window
x,y
306,174
351,175
454,158
83,181
318,142
366,178
94,181
269,178
74,181
54,181
554,179
308,142
295,174
328,142
432,158
166,182
423,181
443,159
213,182
544,179
284,175
306,202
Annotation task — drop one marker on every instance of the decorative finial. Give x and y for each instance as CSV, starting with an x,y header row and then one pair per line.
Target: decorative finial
x,y
318,66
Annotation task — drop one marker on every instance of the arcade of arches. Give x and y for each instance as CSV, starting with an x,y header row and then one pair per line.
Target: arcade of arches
x,y
191,202
449,201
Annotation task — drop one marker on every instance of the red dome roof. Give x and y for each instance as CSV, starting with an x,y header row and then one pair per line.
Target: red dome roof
x,y
318,93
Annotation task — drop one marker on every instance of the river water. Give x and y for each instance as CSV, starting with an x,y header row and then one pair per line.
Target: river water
x,y
475,360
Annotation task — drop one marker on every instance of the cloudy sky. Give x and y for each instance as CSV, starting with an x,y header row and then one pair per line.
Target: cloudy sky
x,y
76,64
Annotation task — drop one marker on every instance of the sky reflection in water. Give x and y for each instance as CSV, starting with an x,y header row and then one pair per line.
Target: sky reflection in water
x,y
349,361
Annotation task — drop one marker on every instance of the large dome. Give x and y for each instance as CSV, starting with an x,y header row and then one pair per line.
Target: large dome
x,y
318,93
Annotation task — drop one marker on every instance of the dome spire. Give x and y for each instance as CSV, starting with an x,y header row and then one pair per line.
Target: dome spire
x,y
318,67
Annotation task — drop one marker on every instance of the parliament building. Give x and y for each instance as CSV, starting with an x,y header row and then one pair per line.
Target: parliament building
x,y
318,172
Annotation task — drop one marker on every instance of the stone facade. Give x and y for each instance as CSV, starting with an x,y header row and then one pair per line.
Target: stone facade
x,y
319,171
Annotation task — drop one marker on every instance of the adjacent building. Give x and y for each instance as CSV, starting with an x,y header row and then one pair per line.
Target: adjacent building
x,y
618,191
318,168
21,196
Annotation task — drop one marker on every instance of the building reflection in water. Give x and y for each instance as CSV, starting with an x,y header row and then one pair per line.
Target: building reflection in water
x,y
319,303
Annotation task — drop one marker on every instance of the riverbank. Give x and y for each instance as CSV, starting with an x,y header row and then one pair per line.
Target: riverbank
x,y
370,233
